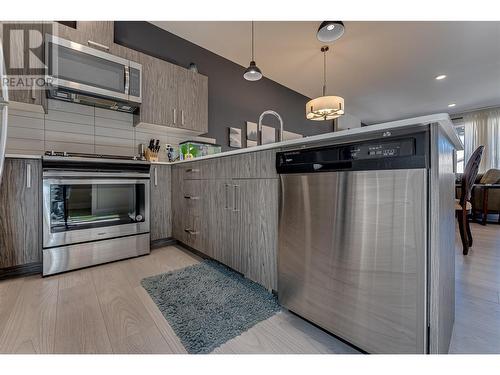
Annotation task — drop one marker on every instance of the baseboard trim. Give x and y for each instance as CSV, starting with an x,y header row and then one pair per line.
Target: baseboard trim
x,y
163,242
21,270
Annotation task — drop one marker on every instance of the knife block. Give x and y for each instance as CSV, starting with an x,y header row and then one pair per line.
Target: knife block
x,y
151,155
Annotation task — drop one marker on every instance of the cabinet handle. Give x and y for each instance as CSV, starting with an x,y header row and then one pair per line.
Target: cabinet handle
x,y
97,45
182,117
175,115
28,176
191,232
156,176
192,170
236,198
33,90
191,197
226,206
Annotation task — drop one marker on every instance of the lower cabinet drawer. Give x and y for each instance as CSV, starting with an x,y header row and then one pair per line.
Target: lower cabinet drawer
x,y
193,231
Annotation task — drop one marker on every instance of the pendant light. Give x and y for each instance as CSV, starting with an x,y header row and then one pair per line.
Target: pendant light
x,y
252,73
330,31
325,107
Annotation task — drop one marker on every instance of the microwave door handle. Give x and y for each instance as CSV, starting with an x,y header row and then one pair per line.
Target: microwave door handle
x,y
127,79
4,118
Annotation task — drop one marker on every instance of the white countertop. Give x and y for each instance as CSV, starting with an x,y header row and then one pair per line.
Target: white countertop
x,y
23,156
441,119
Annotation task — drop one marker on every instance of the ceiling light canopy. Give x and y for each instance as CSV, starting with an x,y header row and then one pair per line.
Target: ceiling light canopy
x,y
325,107
252,73
330,31
440,77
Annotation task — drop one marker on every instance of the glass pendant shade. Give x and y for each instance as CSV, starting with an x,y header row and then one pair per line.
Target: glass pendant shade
x,y
325,108
252,73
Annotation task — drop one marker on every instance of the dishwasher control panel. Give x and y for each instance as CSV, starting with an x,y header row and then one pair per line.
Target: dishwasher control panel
x,y
405,147
398,153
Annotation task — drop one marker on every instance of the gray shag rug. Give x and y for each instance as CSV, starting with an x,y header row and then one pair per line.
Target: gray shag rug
x,y
208,304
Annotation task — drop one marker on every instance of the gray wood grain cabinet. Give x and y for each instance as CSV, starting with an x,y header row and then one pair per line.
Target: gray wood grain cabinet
x,y
159,97
20,234
95,34
243,227
173,96
257,229
234,216
19,62
192,101
161,213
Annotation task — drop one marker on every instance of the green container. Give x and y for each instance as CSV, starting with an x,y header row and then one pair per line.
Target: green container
x,y
194,149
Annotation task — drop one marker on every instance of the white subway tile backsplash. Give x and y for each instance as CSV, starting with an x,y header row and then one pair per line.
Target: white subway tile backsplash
x,y
73,127
18,112
114,115
74,118
69,127
112,150
114,124
112,132
59,105
59,136
25,133
26,146
25,122
70,147
114,141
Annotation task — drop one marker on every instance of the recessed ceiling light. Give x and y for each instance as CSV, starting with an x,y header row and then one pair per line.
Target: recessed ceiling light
x,y
440,77
451,105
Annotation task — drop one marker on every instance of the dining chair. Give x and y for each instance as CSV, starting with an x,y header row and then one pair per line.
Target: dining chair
x,y
463,205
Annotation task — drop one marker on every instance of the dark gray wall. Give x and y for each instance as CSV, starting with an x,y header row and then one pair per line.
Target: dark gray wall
x,y
231,99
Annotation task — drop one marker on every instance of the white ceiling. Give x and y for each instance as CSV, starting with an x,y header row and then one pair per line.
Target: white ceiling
x,y
384,70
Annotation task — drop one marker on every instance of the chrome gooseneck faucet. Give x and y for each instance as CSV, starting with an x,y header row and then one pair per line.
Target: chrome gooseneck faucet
x,y
259,127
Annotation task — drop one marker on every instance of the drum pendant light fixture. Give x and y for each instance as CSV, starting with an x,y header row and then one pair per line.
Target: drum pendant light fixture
x,y
252,73
325,107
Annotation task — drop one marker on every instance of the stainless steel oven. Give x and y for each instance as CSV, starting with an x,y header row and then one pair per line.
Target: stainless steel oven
x,y
89,76
88,203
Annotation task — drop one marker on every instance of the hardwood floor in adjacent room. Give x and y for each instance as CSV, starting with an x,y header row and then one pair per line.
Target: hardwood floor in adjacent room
x,y
105,310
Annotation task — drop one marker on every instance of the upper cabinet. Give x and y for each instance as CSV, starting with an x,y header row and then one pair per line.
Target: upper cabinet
x,y
20,63
192,101
173,96
95,34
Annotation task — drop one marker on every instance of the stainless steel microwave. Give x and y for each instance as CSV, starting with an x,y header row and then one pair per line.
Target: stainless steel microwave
x,y
85,75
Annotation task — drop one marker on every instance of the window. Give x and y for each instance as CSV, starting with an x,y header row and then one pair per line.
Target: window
x,y
460,154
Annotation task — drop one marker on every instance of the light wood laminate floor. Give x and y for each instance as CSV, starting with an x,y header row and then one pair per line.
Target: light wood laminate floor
x,y
105,310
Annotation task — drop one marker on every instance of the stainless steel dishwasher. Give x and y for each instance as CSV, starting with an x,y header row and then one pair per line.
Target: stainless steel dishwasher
x,y
352,241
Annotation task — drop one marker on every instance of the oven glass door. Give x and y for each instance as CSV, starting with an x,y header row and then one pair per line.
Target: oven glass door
x,y
82,210
78,67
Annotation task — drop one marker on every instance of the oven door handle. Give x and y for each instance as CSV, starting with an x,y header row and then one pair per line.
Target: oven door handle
x,y
63,174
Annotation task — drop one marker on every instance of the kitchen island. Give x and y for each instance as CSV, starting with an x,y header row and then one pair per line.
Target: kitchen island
x,y
227,207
